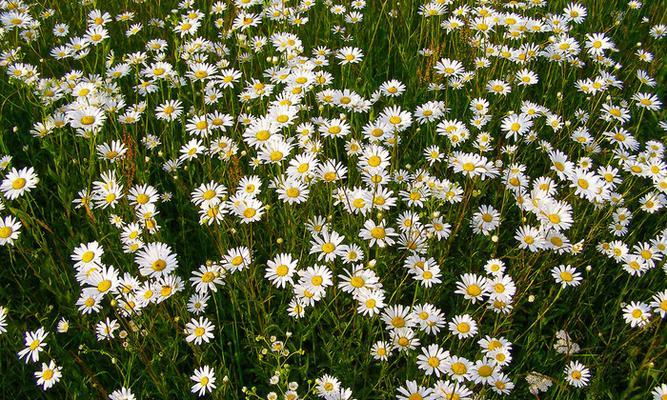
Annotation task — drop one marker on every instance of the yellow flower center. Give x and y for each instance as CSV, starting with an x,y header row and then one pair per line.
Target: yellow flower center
x,y
357,282
378,232
249,212
358,203
47,374
207,277
142,198
18,183
566,276
276,155
459,368
646,254
485,371
282,270
5,232
328,247
158,265
474,290
87,120
463,327
374,161
398,322
262,135
104,286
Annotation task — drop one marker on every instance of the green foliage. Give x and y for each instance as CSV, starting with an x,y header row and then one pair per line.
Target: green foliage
x,y
39,282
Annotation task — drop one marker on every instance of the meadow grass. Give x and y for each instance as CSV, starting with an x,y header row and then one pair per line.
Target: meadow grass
x,y
254,337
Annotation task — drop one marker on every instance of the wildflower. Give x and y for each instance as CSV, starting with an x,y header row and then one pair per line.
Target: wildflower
x,y
198,330
49,375
576,374
34,344
19,182
204,379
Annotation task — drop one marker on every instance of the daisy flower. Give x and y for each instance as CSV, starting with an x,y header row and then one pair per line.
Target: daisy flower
x,y
3,320
576,374
637,314
472,287
377,234
105,329
204,379
404,339
237,259
566,275
370,301
381,350
458,368
34,342
156,259
349,55
122,394
19,182
197,303
208,277
327,245
49,375
659,392
280,270
659,303
432,360
463,326
198,330
9,230
412,391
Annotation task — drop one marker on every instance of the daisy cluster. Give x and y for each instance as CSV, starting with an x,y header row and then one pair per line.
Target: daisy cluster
x,y
225,121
